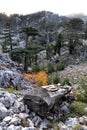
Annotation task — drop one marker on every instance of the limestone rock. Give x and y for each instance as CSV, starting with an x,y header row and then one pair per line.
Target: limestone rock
x,y
7,119
29,128
62,126
7,99
37,104
37,120
15,121
3,111
1,128
23,115
41,100
64,110
12,78
11,127
10,74
83,127
72,122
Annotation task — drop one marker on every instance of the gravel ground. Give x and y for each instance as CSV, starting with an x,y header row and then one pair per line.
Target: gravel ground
x,y
74,72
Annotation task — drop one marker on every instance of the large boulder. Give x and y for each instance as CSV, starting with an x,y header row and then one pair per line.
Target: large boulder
x,y
37,104
34,100
41,100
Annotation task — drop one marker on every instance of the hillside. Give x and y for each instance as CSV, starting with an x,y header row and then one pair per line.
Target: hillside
x,y
47,22
14,113
43,72
23,106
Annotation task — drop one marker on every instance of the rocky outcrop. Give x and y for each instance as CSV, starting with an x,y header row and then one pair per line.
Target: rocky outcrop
x,y
14,115
42,100
13,78
10,74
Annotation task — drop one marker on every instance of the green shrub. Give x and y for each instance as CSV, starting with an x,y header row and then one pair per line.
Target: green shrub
x,y
36,68
17,55
72,115
82,95
10,90
15,43
50,68
50,80
66,82
78,108
56,79
60,66
42,68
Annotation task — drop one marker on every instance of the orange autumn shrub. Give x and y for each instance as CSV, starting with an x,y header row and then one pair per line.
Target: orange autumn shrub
x,y
30,77
40,78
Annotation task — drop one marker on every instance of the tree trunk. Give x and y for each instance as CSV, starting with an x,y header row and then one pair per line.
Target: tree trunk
x,y
10,40
26,63
26,56
36,60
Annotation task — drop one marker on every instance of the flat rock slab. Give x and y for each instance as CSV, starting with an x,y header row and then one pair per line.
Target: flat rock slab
x,y
42,99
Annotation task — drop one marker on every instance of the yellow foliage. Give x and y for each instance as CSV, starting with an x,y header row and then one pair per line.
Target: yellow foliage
x,y
30,77
40,78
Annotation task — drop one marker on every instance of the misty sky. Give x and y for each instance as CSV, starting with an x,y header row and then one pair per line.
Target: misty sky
x,y
61,7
